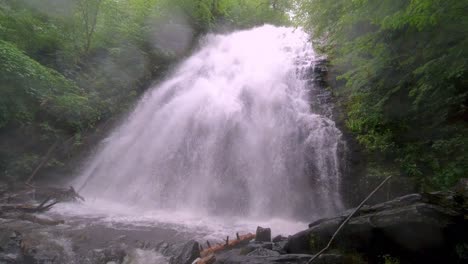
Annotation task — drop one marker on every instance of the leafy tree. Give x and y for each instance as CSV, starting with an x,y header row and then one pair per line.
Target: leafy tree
x,y
402,69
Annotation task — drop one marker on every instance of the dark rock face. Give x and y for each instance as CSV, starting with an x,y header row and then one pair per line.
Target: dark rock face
x,y
254,245
263,252
417,227
236,257
263,234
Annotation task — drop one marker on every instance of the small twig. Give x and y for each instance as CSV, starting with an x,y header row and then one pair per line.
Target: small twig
x,y
39,207
30,185
347,220
75,194
45,208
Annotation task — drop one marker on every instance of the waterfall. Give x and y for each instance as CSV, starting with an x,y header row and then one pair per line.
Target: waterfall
x,y
230,132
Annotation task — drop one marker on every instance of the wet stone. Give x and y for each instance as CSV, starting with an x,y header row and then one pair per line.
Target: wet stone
x,y
263,234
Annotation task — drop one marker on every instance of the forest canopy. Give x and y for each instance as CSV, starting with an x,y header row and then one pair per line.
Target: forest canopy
x,y
401,69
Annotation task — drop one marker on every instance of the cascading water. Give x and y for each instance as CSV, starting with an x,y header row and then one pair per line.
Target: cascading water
x,y
230,133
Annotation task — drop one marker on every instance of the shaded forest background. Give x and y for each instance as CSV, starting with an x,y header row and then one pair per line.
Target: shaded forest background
x,y
398,68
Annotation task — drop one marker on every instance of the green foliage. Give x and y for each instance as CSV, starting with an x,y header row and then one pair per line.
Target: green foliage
x,y
403,66
22,165
390,260
27,88
354,258
245,13
462,251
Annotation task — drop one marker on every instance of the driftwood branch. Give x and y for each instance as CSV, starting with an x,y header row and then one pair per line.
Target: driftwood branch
x,y
347,220
207,256
206,260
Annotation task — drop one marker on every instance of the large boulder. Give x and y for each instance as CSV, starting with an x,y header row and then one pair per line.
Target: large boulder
x,y
416,227
265,256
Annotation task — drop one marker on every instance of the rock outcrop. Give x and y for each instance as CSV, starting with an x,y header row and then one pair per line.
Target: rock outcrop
x,y
263,234
182,253
417,228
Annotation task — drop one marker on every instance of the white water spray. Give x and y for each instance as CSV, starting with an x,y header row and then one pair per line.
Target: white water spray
x,y
229,133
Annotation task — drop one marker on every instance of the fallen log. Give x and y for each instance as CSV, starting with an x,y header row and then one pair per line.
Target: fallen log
x,y
29,208
61,194
206,260
229,244
28,192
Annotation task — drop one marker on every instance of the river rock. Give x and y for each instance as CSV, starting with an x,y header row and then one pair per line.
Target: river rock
x,y
263,234
111,254
10,247
182,253
279,238
416,227
263,252
254,245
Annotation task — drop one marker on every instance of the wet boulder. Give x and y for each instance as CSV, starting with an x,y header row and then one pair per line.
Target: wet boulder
x,y
415,227
279,238
10,247
263,234
265,256
263,252
181,253
111,254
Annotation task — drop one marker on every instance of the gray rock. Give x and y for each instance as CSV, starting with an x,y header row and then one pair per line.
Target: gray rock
x,y
182,253
254,245
10,243
279,246
417,226
263,252
10,247
263,234
279,238
114,253
233,257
